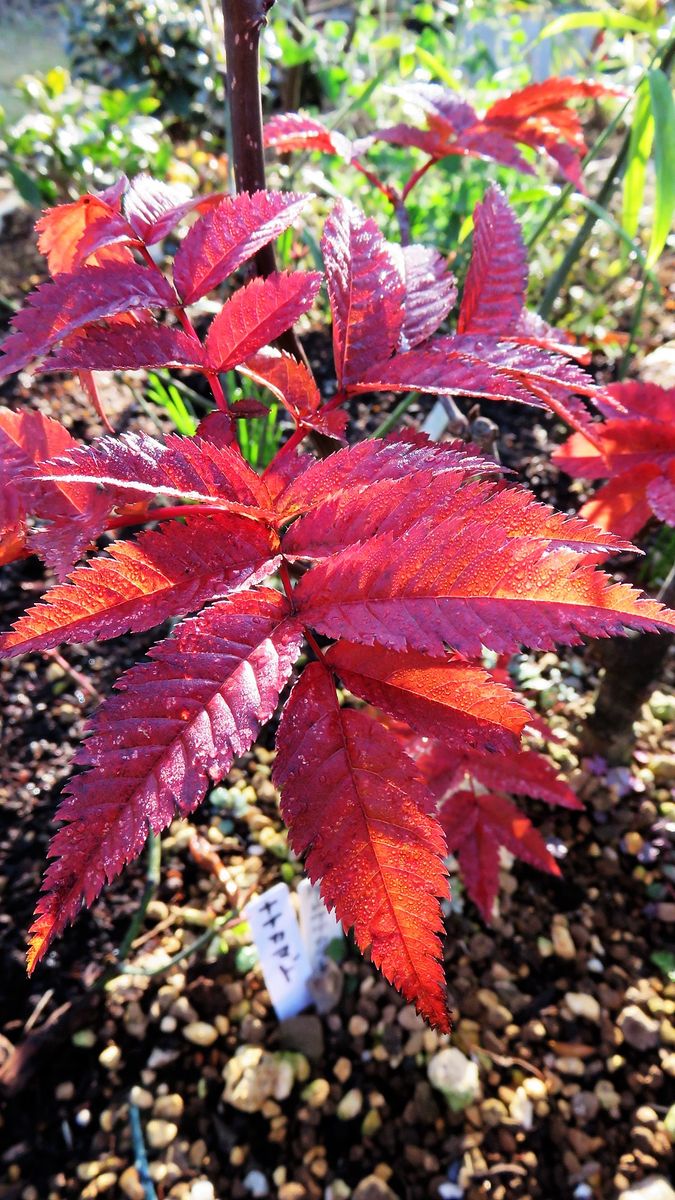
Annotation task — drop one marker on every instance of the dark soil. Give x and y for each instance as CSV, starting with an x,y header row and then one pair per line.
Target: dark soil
x,y
571,1103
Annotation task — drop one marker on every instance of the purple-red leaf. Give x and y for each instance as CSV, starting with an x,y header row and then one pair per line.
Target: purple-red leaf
x,y
356,807
366,290
127,348
153,208
494,291
174,727
228,235
476,825
77,513
137,466
468,582
295,131
430,292
55,310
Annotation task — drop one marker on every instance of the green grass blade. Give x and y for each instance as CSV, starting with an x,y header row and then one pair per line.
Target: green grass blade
x,y
663,110
603,19
639,149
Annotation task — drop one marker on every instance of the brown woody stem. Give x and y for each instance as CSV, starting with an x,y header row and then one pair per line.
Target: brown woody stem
x,y
243,22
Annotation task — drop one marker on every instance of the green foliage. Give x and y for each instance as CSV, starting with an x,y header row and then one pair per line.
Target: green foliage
x,y
79,136
163,392
168,46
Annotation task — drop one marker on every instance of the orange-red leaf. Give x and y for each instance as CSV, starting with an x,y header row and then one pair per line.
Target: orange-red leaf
x,y
137,584
173,728
439,697
356,806
634,450
295,386
61,231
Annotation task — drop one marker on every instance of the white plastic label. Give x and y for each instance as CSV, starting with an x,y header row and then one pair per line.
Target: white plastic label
x,y
284,961
318,926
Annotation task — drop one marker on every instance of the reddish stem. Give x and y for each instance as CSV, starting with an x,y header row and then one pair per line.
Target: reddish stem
x,y
415,178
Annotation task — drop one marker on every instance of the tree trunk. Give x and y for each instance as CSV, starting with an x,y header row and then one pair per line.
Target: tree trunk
x,y
632,666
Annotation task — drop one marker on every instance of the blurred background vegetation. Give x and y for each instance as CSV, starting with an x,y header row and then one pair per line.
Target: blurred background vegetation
x,y
95,88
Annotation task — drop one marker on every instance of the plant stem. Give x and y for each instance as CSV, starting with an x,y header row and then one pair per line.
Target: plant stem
x,y
392,419
243,20
152,880
634,327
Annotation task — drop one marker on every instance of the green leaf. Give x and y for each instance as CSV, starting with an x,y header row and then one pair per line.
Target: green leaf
x,y
639,149
663,110
27,188
604,19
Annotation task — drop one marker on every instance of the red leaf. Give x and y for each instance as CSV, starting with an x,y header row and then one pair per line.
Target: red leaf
x,y
622,505
62,229
494,291
444,698
635,449
138,584
228,235
57,309
136,466
174,728
366,290
295,131
296,388
475,827
466,583
522,772
430,292
661,496
376,847
153,208
488,368
77,513
118,348
257,314
339,479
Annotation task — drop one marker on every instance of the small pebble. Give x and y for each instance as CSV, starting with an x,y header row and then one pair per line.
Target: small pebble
x,y
256,1183
130,1184
169,1108
202,1190
200,1033
350,1105
358,1026
160,1134
111,1057
638,1029
581,1004
141,1097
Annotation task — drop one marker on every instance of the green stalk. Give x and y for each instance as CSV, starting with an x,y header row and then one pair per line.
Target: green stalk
x,y
557,281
